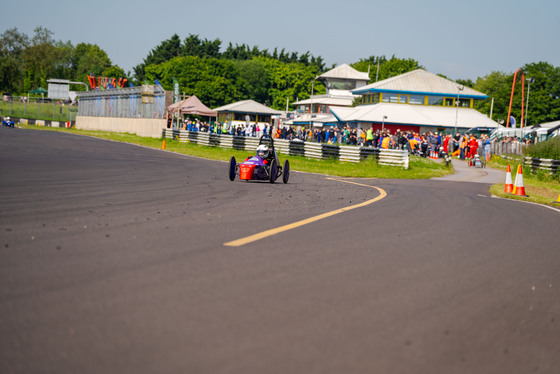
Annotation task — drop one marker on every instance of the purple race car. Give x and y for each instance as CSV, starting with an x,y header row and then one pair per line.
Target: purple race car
x,y
263,166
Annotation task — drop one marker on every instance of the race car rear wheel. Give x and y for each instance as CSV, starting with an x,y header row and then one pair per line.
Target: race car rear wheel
x,y
232,168
272,171
286,171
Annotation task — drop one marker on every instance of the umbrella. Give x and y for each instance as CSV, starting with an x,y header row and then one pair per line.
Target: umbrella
x,y
39,91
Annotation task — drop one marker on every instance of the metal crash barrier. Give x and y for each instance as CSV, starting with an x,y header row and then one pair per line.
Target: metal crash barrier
x,y
392,157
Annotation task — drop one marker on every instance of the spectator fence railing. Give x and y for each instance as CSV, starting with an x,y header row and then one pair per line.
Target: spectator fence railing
x,y
393,157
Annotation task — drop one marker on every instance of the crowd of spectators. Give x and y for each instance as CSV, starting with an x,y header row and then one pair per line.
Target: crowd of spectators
x,y
423,144
250,130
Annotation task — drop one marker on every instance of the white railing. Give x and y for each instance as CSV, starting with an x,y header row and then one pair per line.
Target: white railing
x,y
393,157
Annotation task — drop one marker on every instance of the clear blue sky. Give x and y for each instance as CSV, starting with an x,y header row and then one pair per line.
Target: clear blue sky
x,y
457,38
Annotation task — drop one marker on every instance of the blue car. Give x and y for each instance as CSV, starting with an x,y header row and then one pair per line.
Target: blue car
x,y
6,122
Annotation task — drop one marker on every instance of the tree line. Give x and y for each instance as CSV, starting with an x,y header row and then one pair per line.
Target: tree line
x,y
239,72
27,62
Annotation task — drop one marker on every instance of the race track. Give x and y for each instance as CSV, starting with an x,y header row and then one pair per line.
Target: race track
x,y
113,260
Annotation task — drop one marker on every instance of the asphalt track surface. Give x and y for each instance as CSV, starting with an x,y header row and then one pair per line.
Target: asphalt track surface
x,y
113,261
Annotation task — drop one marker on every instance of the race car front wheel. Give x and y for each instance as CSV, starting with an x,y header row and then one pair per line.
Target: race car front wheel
x,y
232,167
286,171
272,171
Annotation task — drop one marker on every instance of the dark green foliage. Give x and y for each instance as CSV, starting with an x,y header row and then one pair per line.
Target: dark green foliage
x,y
12,47
544,94
89,59
466,82
387,68
549,149
26,64
165,51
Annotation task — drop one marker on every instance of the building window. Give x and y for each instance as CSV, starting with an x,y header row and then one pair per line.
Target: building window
x,y
416,99
465,103
435,100
449,102
340,84
403,99
370,99
390,98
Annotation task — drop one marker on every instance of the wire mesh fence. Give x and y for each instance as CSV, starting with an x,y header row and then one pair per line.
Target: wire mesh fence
x,y
38,108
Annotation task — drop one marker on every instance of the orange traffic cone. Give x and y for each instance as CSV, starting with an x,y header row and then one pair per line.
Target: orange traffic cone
x,y
509,184
163,144
487,156
519,187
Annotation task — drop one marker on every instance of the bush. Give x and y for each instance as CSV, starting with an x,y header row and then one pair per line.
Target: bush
x,y
549,149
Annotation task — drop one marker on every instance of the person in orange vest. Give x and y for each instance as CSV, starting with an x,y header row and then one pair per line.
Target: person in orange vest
x,y
463,147
413,144
363,138
386,142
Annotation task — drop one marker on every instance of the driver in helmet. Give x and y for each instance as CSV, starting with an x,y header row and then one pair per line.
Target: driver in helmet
x,y
263,155
263,152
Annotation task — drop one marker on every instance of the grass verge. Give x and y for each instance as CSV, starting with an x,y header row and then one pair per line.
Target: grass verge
x,y
540,188
420,168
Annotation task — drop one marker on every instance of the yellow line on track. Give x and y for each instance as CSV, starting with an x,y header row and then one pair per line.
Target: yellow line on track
x,y
267,233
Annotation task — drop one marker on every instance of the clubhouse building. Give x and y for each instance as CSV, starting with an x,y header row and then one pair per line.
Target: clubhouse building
x,y
339,82
418,101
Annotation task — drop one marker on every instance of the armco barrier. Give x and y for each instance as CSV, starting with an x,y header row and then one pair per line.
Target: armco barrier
x,y
393,157
47,123
542,164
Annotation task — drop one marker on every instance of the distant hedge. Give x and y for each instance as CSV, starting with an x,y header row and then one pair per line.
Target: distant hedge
x,y
549,149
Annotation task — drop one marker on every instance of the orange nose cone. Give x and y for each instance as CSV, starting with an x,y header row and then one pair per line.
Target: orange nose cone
x,y
246,172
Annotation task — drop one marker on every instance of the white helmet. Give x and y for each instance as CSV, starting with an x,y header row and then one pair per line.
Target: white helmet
x,y
262,151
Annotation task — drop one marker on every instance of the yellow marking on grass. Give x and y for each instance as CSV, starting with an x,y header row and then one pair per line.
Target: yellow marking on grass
x,y
267,233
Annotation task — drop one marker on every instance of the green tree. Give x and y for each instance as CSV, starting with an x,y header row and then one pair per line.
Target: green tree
x,y
213,81
397,66
114,71
466,82
497,85
62,67
39,59
254,79
89,59
216,91
167,50
369,64
387,68
290,81
12,47
544,93
194,46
